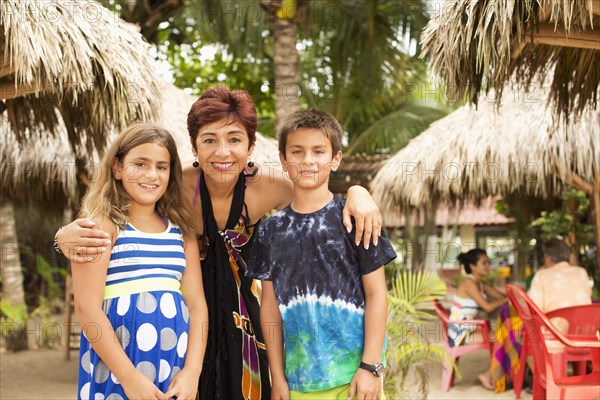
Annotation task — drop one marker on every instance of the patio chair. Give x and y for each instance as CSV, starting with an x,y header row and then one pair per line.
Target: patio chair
x,y
454,353
583,321
550,380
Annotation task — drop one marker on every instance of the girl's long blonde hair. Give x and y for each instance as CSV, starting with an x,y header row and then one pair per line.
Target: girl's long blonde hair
x,y
106,197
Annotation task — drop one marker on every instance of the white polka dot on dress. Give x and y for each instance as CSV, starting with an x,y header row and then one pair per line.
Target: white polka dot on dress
x,y
182,345
146,337
167,305
165,371
84,393
123,305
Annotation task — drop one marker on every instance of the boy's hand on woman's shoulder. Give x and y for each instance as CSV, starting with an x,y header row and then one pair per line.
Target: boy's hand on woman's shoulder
x,y
361,206
365,385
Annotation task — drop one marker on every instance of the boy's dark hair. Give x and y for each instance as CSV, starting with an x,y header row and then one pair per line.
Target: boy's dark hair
x,y
556,249
471,257
312,119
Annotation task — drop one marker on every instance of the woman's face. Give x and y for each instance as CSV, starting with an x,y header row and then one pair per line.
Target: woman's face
x,y
223,149
482,268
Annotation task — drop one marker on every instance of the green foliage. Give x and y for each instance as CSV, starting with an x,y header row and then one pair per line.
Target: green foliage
x,y
50,329
561,222
48,272
410,308
354,60
13,324
16,314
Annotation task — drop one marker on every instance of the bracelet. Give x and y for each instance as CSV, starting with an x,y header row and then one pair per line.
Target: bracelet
x,y
55,245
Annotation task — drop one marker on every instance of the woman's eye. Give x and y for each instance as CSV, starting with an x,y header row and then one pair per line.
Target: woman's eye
x,y
208,141
236,140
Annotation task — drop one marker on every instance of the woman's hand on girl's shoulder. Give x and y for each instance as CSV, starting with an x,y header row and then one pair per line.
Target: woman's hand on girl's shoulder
x,y
83,239
91,254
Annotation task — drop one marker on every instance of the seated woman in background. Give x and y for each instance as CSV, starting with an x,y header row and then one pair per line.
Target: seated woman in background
x,y
473,295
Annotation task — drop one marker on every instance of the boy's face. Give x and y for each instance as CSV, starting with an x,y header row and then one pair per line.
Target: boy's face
x,y
308,158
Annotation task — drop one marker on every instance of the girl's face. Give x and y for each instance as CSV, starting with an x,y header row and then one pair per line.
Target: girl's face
x,y
145,173
223,150
482,268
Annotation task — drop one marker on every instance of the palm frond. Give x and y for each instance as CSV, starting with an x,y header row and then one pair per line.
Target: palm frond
x,y
393,131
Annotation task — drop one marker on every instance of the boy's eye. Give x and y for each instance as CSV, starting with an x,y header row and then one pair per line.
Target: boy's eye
x,y
296,151
319,151
139,164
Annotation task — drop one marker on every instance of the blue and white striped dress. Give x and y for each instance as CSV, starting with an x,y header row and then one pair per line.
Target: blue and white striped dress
x,y
149,316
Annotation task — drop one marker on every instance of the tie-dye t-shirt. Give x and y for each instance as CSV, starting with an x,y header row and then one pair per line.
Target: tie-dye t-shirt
x,y
316,271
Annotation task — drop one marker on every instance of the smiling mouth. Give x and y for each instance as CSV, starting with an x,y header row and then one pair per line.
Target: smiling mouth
x,y
148,187
223,166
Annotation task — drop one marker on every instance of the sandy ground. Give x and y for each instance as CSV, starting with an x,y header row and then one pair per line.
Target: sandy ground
x,y
38,374
45,374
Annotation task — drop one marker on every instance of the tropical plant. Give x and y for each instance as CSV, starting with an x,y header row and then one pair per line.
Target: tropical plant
x,y
409,350
14,329
347,57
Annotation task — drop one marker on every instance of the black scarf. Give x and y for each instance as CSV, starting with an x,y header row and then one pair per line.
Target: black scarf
x,y
222,371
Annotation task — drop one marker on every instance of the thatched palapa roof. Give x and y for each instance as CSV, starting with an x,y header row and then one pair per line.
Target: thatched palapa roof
x,y
475,45
45,168
72,62
473,153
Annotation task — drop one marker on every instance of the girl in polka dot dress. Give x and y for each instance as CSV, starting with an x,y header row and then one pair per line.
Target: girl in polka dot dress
x,y
141,339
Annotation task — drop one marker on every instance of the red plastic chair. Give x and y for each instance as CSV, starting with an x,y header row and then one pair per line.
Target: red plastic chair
x,y
454,353
550,380
584,321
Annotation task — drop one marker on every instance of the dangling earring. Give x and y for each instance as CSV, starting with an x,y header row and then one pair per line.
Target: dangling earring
x,y
250,162
195,164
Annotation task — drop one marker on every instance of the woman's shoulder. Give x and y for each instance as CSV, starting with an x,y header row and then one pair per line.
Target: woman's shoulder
x,y
266,191
467,283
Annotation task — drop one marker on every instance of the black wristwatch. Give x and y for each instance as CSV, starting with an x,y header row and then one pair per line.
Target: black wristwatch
x,y
375,369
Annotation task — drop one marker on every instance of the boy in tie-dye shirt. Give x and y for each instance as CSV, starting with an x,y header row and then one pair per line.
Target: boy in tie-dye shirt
x,y
324,297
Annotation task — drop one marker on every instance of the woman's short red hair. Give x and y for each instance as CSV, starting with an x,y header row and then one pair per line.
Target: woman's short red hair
x,y
223,104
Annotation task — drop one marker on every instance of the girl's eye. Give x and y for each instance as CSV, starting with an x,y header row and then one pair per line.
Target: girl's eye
x,y
162,168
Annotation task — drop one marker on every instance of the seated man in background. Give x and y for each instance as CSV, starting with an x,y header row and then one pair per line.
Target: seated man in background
x,y
559,284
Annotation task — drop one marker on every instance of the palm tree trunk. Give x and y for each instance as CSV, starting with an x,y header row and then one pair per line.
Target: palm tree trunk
x,y
285,57
12,275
